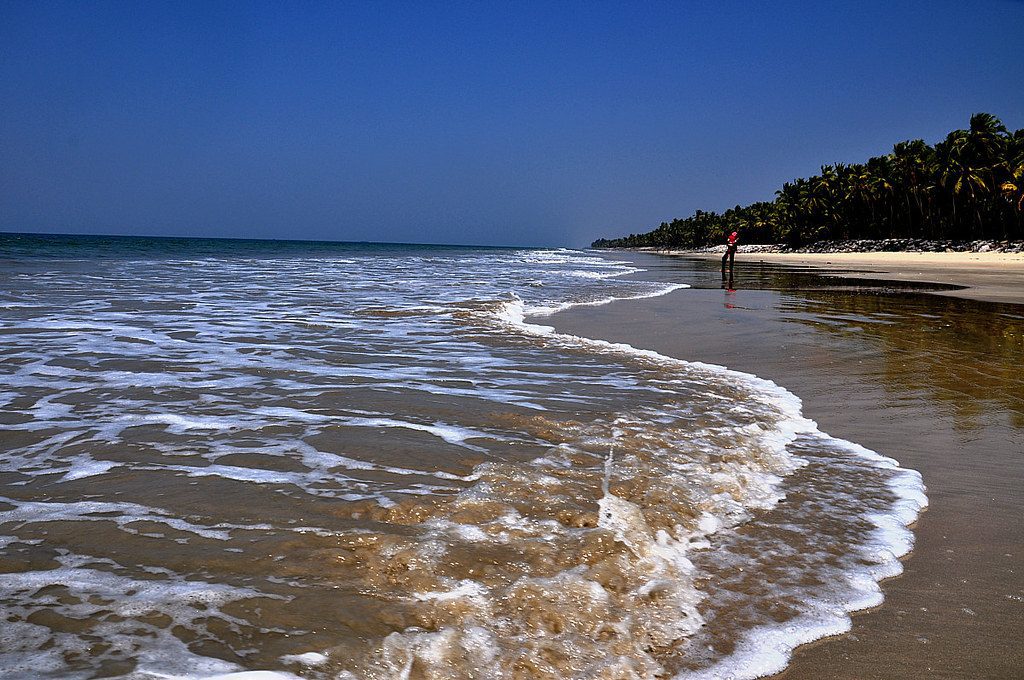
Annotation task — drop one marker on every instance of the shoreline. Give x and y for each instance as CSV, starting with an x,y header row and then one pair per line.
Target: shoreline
x,y
930,380
987,277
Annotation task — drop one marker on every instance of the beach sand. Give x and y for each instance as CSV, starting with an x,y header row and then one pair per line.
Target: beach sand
x,y
933,380
991,277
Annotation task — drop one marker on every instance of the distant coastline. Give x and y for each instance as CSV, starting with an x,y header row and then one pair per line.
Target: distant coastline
x,y
968,187
856,246
974,272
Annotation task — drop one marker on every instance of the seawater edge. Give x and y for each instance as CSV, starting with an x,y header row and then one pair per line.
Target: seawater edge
x,y
768,651
989,276
927,379
702,449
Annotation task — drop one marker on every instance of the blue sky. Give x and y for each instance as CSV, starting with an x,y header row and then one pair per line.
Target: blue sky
x,y
549,123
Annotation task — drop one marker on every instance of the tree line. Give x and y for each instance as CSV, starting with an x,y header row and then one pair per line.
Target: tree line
x,y
967,187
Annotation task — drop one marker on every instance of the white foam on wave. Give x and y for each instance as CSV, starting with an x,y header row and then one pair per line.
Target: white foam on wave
x,y
655,605
240,474
585,274
448,433
767,649
99,587
306,659
248,675
514,313
670,571
122,514
125,515
549,309
179,423
86,466
215,358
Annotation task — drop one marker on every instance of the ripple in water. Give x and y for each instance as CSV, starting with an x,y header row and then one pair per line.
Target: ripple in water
x,y
373,462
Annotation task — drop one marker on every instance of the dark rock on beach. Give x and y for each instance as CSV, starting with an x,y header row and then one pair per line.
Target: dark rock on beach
x,y
891,245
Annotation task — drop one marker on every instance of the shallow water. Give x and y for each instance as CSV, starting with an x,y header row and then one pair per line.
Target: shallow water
x,y
931,380
370,461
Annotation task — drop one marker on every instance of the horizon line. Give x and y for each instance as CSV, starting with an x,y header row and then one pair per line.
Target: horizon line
x,y
280,240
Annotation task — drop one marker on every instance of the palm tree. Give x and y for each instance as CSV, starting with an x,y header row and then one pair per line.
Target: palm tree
x,y
858,192
987,137
953,169
1012,187
879,172
910,166
986,144
922,189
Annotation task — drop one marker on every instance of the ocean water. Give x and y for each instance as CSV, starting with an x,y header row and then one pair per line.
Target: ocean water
x,y
373,461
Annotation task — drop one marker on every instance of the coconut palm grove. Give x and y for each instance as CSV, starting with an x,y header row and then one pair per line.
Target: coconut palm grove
x,y
969,186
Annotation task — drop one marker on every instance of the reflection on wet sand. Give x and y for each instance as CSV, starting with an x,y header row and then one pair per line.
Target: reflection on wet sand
x,y
729,285
964,356
934,381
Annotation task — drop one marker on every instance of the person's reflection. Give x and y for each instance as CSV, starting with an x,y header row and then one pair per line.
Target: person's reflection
x,y
730,289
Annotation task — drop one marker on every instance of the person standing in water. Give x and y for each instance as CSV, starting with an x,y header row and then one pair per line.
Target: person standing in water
x,y
730,250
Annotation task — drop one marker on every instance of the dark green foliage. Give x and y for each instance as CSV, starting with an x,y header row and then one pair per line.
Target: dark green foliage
x,y
969,186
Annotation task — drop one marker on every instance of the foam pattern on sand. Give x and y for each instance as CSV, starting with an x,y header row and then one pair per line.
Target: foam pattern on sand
x,y
379,464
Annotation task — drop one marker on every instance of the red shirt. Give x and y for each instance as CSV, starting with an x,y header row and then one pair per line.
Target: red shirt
x,y
732,238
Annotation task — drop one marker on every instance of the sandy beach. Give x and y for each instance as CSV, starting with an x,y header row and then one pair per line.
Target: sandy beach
x,y
933,380
991,276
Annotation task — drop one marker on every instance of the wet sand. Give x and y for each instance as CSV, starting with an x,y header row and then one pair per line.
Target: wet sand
x,y
931,380
990,277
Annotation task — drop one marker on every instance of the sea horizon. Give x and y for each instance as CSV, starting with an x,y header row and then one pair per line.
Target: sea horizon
x,y
307,241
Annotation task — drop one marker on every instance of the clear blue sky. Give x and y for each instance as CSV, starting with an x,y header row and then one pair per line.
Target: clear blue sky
x,y
548,123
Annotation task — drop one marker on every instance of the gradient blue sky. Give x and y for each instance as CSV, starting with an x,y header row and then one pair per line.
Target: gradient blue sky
x,y
548,123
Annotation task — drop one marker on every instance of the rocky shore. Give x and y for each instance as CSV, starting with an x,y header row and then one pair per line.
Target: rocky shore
x,y
889,245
